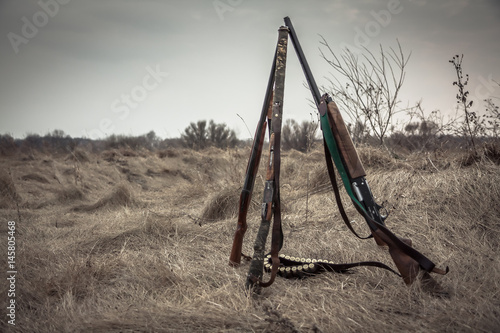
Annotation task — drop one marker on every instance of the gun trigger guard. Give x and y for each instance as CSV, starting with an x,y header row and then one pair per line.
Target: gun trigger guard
x,y
385,214
382,211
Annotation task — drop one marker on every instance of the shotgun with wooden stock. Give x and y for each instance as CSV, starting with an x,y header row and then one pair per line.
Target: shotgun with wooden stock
x,y
339,146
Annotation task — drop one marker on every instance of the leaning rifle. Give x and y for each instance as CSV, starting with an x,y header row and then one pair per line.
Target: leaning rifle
x,y
251,172
339,146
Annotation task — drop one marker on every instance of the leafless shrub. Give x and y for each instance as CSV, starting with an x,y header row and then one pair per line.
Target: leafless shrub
x,y
110,155
371,94
200,136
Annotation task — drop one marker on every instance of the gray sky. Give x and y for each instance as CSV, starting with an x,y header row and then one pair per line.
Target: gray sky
x,y
93,68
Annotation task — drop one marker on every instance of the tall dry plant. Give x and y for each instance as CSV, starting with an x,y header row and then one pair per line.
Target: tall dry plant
x,y
474,125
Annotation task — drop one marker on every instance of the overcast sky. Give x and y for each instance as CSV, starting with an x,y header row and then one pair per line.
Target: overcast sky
x,y
93,68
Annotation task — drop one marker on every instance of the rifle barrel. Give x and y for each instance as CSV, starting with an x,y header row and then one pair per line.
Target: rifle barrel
x,y
303,62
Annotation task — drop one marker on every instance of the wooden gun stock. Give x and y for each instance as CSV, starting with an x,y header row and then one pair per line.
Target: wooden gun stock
x,y
345,145
241,228
407,266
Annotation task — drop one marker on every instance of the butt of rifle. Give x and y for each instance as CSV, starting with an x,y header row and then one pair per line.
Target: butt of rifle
x,y
235,257
406,265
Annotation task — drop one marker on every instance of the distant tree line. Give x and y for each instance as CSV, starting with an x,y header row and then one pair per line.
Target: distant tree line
x,y
369,99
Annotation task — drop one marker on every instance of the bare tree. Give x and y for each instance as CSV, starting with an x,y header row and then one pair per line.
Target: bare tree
x,y
373,83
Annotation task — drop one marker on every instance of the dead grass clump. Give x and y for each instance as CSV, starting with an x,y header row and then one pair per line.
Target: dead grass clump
x,y
78,155
128,152
151,273
35,177
376,158
170,153
153,233
167,172
8,193
109,155
492,152
295,154
133,177
83,277
469,158
120,197
222,205
317,155
488,152
69,194
290,167
319,178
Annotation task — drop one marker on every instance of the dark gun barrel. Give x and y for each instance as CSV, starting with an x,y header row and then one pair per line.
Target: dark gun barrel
x,y
303,62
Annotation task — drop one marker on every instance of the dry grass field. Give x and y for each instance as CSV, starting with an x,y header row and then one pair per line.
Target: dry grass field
x,y
136,241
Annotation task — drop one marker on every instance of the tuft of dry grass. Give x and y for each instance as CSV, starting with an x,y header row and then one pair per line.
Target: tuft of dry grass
x,y
69,194
377,158
222,205
78,155
170,153
8,192
119,197
488,152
